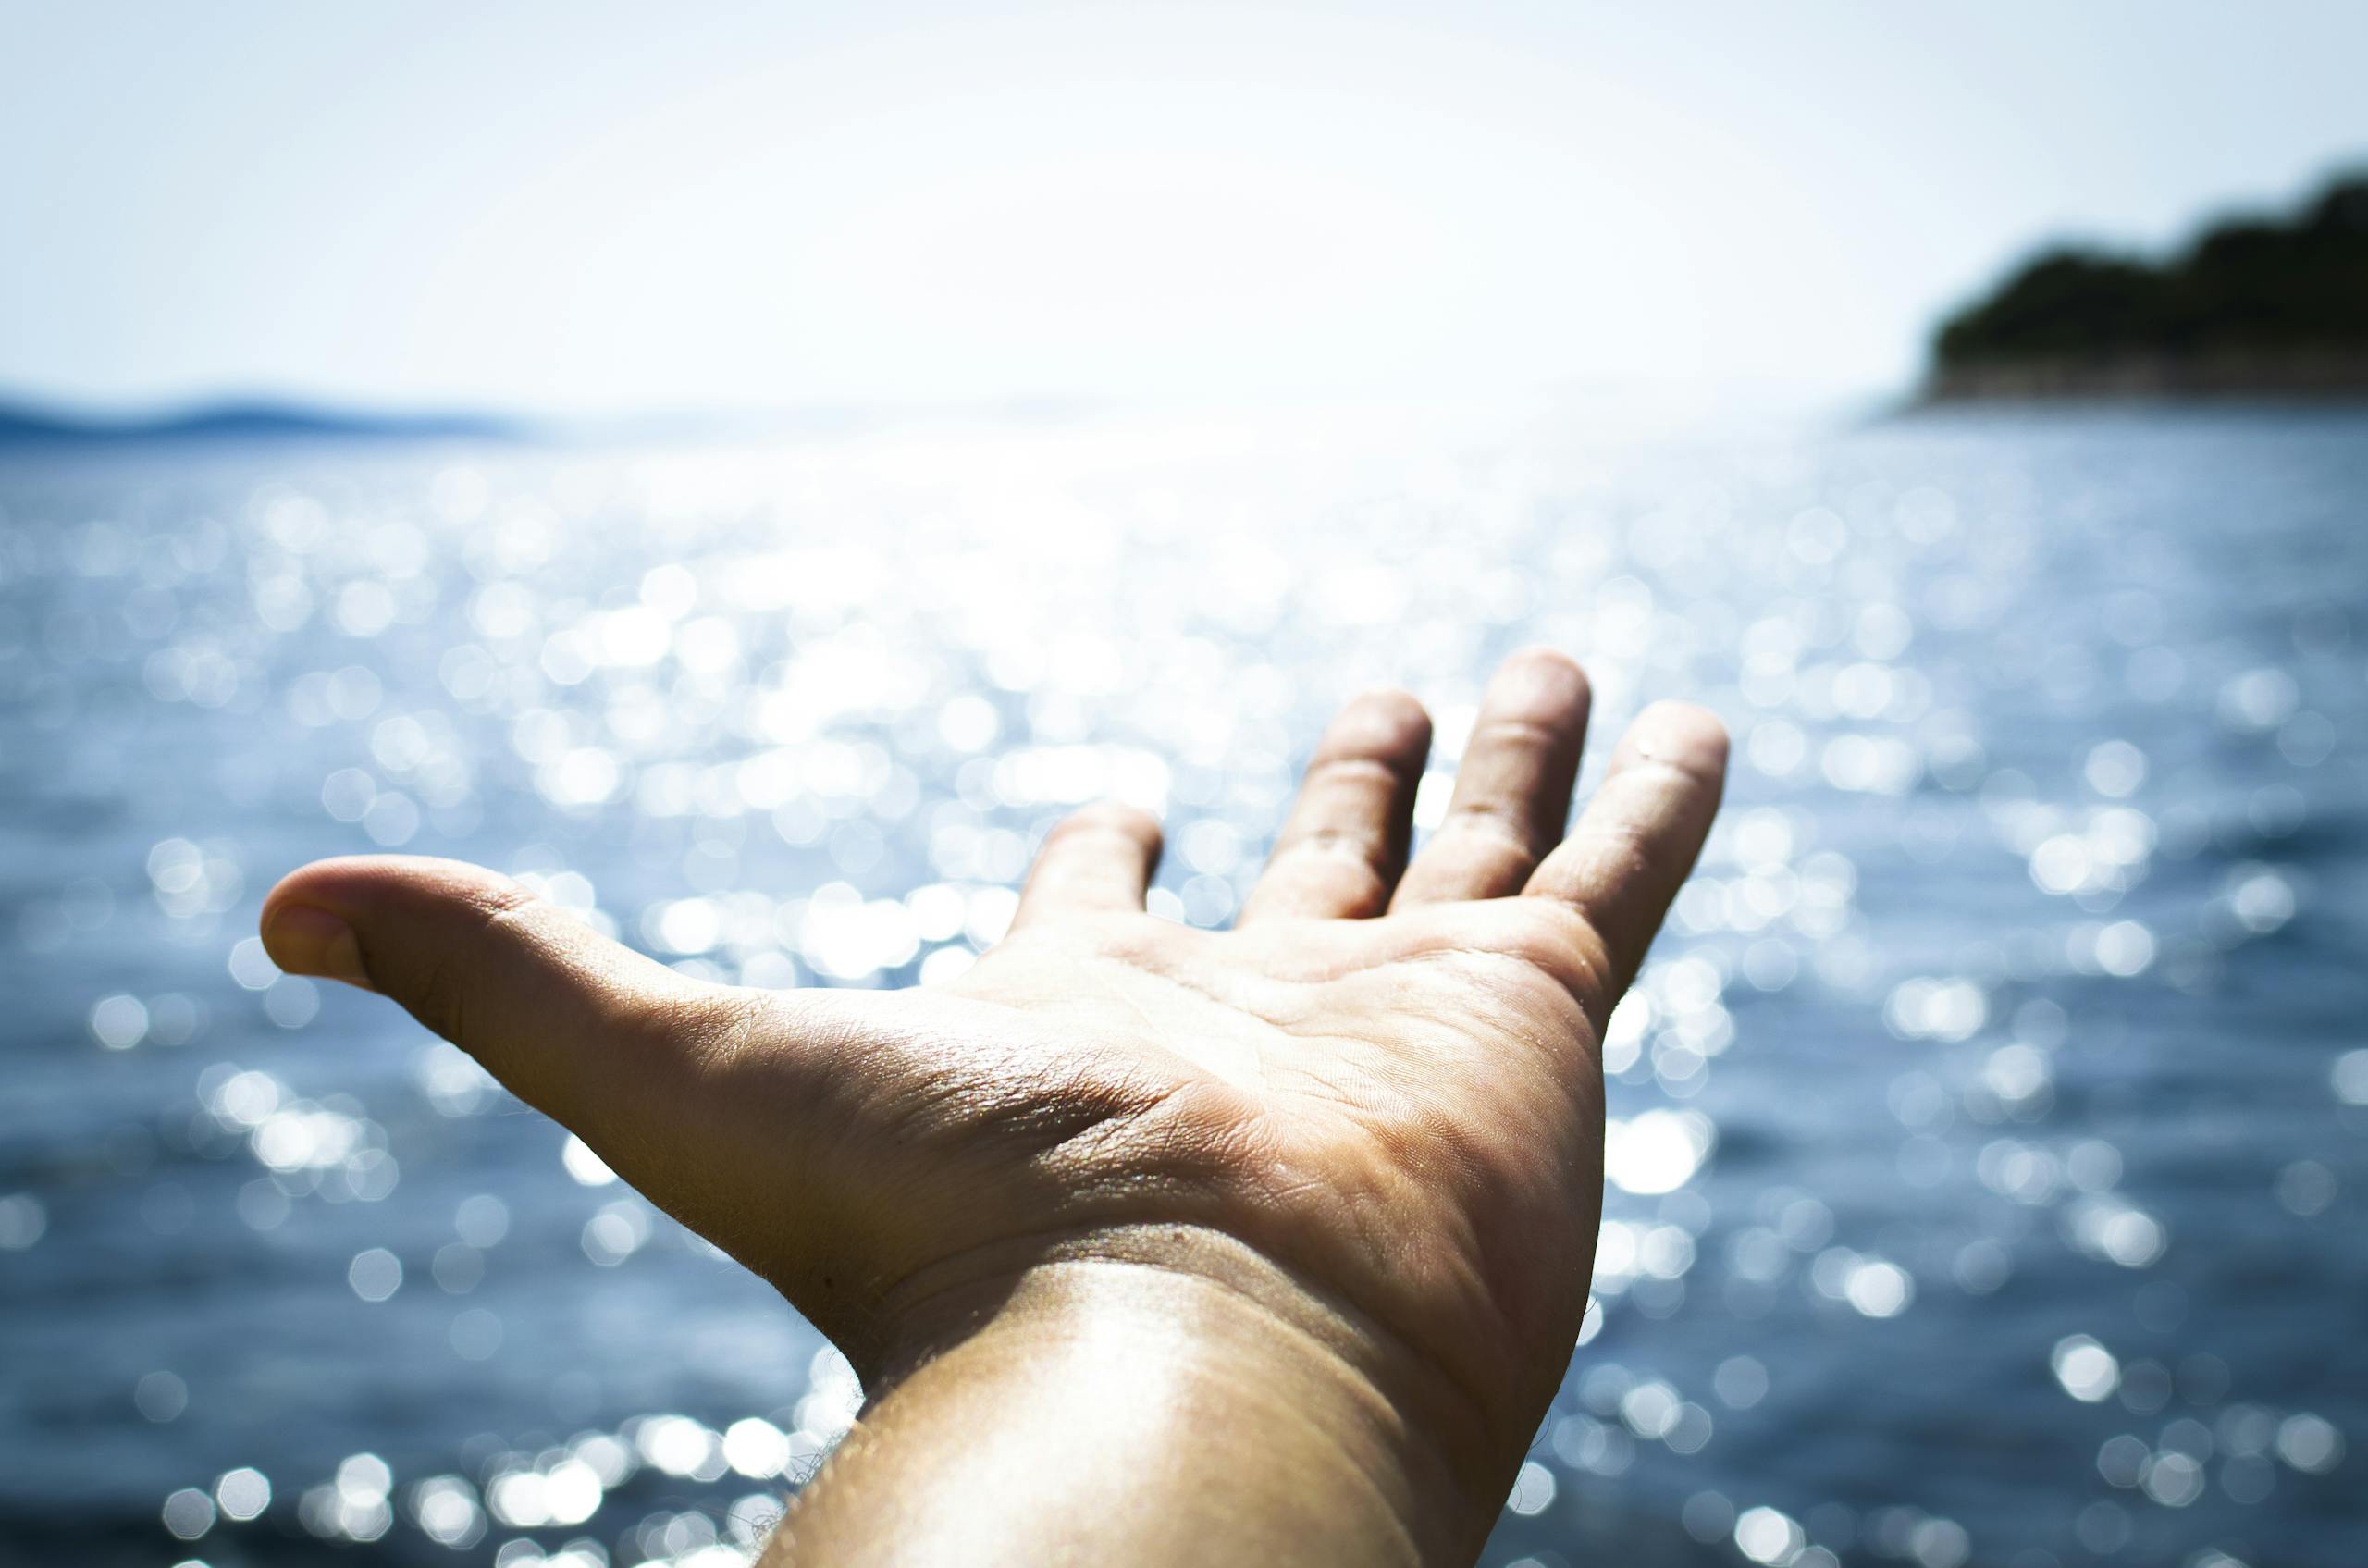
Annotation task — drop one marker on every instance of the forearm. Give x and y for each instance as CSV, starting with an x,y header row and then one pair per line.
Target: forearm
x,y
1109,1409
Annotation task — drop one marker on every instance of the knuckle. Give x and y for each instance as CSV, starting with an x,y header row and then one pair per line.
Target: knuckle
x,y
1576,953
1388,721
1332,841
438,998
1353,770
1686,773
1516,733
497,900
713,1027
1503,821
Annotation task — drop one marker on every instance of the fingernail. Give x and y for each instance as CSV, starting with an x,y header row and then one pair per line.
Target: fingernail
x,y
314,942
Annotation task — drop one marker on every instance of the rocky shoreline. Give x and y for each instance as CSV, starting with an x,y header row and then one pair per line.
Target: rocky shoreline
x,y
2330,374
2253,306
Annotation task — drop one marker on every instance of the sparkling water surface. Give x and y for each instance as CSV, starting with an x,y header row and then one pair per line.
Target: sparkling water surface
x,y
1991,1128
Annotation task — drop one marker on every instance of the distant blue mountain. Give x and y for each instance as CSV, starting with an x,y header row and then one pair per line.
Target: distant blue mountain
x,y
24,424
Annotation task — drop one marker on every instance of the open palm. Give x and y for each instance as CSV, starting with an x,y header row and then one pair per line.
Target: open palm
x,y
1383,1081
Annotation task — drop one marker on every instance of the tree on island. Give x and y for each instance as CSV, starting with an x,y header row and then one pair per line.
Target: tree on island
x,y
2252,305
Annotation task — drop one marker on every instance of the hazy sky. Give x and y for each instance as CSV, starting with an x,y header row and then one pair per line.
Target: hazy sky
x,y
588,206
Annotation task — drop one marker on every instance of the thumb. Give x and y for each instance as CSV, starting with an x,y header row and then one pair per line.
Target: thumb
x,y
576,1025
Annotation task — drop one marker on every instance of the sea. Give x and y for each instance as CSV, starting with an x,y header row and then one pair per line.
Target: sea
x,y
1989,1174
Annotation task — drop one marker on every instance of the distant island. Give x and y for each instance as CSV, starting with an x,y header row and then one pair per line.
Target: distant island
x,y
2251,306
24,424
30,426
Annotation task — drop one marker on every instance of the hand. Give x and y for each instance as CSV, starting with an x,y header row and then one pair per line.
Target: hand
x,y
1355,1142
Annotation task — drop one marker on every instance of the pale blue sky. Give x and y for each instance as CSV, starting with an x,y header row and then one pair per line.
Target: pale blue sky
x,y
593,207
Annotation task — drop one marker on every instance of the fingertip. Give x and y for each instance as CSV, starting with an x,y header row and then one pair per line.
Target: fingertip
x,y
1387,722
1098,858
1120,817
293,887
1544,656
350,884
1539,684
1684,736
314,920
305,941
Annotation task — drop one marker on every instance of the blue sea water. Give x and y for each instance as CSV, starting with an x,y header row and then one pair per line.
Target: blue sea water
x,y
1992,1136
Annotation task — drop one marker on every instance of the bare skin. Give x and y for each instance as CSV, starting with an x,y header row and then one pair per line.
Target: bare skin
x,y
1151,1244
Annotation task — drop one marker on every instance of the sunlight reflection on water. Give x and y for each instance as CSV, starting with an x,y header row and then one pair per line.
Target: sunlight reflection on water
x,y
1987,1138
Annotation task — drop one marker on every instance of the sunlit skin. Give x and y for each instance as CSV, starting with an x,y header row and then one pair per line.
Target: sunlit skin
x,y
1152,1244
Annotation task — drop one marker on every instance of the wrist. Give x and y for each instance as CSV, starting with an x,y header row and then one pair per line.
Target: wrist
x,y
1183,1359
